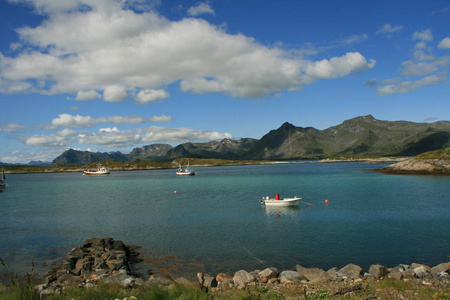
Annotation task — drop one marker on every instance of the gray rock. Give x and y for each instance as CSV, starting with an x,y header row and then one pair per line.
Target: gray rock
x,y
315,275
395,274
378,271
422,271
351,271
291,276
440,268
242,278
267,274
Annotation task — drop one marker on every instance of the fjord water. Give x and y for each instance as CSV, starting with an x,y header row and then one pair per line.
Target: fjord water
x,y
216,218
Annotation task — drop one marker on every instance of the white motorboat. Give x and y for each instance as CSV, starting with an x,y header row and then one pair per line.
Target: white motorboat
x,y
277,201
100,171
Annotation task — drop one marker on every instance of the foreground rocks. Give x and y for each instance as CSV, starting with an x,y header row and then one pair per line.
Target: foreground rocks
x,y
98,259
111,261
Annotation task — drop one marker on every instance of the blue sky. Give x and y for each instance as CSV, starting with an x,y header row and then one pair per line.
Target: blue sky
x,y
110,75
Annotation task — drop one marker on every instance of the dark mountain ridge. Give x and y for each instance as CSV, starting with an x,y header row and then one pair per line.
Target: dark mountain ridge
x,y
360,136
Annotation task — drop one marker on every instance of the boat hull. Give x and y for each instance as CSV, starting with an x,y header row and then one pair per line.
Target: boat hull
x,y
185,173
282,202
95,172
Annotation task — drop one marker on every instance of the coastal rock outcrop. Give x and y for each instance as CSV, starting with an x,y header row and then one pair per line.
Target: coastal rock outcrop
x,y
97,259
418,166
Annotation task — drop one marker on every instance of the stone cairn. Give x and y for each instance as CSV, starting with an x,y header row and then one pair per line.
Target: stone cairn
x,y
98,259
107,260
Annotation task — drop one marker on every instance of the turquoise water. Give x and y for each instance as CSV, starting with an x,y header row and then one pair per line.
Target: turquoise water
x,y
216,218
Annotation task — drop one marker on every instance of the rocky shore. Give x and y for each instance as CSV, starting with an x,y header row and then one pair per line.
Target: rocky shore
x,y
108,260
418,166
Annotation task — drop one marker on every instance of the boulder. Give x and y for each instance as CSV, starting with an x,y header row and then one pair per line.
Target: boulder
x,y
351,271
291,276
315,275
265,275
378,271
224,280
242,278
422,271
441,268
395,274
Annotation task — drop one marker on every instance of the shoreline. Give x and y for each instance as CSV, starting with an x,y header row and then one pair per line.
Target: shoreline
x,y
107,260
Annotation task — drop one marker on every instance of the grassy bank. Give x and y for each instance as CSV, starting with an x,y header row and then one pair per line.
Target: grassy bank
x,y
385,289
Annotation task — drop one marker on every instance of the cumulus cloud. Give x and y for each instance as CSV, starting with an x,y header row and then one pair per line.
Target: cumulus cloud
x,y
115,93
200,8
146,96
424,35
388,28
113,138
66,120
142,51
445,43
338,66
89,95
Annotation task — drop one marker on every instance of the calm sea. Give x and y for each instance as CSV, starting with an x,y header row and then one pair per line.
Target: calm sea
x,y
216,218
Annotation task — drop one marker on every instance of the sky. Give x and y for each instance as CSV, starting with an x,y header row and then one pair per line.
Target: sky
x,y
113,75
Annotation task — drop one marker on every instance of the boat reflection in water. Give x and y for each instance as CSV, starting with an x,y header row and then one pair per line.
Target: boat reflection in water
x,y
281,211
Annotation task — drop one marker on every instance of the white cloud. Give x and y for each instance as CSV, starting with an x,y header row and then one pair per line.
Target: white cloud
x,y
115,93
66,120
69,120
408,86
161,119
143,51
424,35
445,43
89,95
200,8
338,66
113,138
46,141
146,96
388,28
11,127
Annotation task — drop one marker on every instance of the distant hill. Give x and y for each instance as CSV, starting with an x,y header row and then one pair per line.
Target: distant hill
x,y
360,136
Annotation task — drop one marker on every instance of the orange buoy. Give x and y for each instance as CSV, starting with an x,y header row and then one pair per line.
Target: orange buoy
x,y
310,204
175,192
326,201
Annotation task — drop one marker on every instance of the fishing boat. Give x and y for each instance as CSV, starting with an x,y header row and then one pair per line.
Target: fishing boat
x,y
277,201
185,172
102,170
2,181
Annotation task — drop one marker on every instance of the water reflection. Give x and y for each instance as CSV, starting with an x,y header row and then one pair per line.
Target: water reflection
x,y
281,211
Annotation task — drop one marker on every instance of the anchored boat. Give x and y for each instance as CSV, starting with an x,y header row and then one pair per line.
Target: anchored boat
x,y
277,201
185,172
100,171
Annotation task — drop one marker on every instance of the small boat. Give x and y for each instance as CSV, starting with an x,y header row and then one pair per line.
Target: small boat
x,y
277,201
185,172
100,171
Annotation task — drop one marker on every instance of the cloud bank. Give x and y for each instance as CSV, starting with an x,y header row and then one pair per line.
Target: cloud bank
x,y
137,53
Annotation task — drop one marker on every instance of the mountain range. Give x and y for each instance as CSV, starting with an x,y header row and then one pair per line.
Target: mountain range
x,y
360,136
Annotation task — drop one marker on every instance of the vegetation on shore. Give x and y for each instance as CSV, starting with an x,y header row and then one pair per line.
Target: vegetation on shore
x,y
137,164
384,289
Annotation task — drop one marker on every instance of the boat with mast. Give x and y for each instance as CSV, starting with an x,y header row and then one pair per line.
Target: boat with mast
x,y
185,172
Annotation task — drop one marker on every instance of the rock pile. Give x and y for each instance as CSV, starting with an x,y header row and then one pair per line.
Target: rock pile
x,y
97,259
418,273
